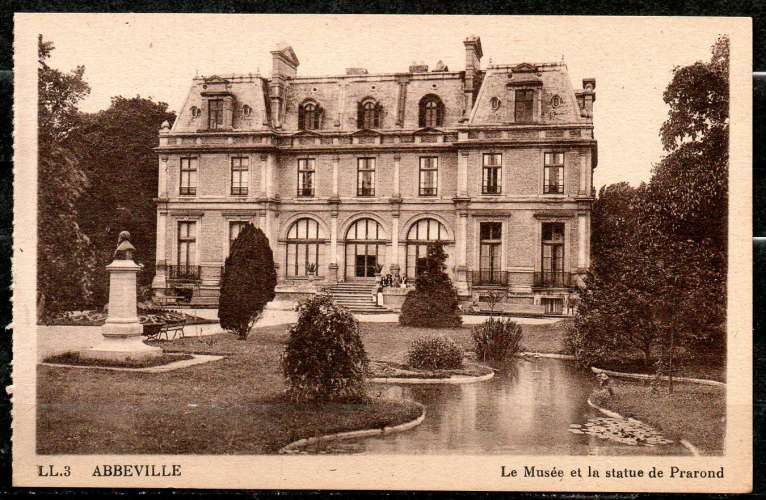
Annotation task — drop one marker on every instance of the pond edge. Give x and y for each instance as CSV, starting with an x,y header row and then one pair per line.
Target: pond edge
x,y
454,379
358,433
613,414
197,359
643,376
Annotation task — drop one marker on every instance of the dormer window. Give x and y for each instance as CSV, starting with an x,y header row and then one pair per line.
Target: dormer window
x,y
369,114
195,112
215,114
246,110
309,116
431,113
495,103
524,106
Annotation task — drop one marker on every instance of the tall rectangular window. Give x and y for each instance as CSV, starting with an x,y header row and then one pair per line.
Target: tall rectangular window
x,y
306,169
553,254
553,175
187,241
188,181
429,175
492,174
235,227
524,105
239,175
365,177
215,113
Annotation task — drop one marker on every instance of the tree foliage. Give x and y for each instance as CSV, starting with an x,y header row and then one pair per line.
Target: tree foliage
x,y
325,358
65,257
248,281
434,302
659,251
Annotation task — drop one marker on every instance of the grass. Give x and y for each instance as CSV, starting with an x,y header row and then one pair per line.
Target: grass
x,y
694,412
74,358
706,368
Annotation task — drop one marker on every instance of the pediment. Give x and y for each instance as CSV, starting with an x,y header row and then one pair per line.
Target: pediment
x,y
525,68
428,131
307,133
366,131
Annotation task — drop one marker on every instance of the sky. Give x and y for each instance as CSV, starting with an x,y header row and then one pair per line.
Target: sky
x,y
157,55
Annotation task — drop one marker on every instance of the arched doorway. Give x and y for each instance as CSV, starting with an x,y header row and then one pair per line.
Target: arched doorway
x,y
365,249
305,245
421,234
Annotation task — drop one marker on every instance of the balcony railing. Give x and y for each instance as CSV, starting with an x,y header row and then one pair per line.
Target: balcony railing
x,y
487,277
305,192
184,272
551,279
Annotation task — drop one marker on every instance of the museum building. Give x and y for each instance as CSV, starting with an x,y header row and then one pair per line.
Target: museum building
x,y
353,175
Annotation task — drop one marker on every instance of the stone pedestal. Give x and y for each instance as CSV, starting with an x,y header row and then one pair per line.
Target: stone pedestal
x,y
122,332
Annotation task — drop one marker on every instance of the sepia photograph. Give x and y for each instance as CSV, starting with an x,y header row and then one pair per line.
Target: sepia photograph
x,y
518,246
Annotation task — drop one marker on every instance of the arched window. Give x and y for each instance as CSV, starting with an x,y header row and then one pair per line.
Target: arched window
x,y
309,116
420,235
365,249
431,111
305,247
369,114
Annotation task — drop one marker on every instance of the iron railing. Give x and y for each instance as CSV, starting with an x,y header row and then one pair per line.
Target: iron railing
x,y
487,277
305,191
554,279
184,272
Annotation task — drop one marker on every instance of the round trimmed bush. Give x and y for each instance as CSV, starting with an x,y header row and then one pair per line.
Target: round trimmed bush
x,y
496,339
434,353
325,359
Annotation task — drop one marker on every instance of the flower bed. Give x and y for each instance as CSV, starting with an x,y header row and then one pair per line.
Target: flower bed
x,y
386,369
74,358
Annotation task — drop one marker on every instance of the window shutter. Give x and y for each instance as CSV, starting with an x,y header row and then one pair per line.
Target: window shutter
x,y
439,113
359,115
301,118
422,113
378,116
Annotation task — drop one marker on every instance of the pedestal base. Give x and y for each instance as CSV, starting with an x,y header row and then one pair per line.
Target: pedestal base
x,y
120,348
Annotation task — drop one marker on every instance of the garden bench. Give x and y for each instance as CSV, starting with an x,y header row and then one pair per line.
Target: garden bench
x,y
169,330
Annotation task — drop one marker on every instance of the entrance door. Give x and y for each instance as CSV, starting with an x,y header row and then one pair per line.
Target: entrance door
x,y
365,249
490,253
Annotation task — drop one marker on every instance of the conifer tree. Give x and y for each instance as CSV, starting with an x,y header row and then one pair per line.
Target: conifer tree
x,y
434,302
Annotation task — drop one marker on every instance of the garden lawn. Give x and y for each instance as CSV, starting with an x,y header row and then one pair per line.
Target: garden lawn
x,y
231,406
694,412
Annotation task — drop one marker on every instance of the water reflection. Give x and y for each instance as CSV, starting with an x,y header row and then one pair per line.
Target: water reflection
x,y
527,408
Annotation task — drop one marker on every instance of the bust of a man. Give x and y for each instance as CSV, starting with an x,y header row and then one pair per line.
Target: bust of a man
x,y
124,248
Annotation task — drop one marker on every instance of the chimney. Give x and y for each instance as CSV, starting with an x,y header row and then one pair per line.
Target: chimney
x,y
284,67
589,95
473,54
418,67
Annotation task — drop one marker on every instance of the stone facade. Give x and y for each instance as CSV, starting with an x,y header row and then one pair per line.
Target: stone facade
x,y
354,170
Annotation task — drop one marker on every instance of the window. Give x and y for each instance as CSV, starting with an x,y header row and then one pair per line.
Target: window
x,y
553,177
431,112
239,175
187,250
492,174
369,114
195,112
188,185
495,103
429,175
524,105
246,110
215,113
556,101
305,248
552,254
420,235
235,227
365,249
490,252
309,115
365,177
306,170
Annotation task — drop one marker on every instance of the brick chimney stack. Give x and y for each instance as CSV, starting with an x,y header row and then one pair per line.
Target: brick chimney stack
x,y
473,54
284,68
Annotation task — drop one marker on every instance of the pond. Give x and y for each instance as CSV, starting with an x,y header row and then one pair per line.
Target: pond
x,y
534,406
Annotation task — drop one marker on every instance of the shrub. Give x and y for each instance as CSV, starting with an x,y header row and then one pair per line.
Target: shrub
x,y
325,359
434,301
248,281
434,353
496,339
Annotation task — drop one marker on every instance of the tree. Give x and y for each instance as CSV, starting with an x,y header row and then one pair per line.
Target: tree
x,y
434,302
248,281
123,167
65,258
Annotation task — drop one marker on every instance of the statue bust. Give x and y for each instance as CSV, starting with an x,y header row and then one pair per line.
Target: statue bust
x,y
124,248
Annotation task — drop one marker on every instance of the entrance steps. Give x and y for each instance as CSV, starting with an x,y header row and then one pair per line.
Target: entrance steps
x,y
356,296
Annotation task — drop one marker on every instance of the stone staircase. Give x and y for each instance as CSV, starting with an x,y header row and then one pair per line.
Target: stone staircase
x,y
356,296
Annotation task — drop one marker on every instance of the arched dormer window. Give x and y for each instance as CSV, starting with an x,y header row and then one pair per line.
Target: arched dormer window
x,y
369,114
431,112
310,116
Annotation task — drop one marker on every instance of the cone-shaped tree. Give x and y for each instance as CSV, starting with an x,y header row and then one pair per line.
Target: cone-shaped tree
x,y
434,301
248,281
